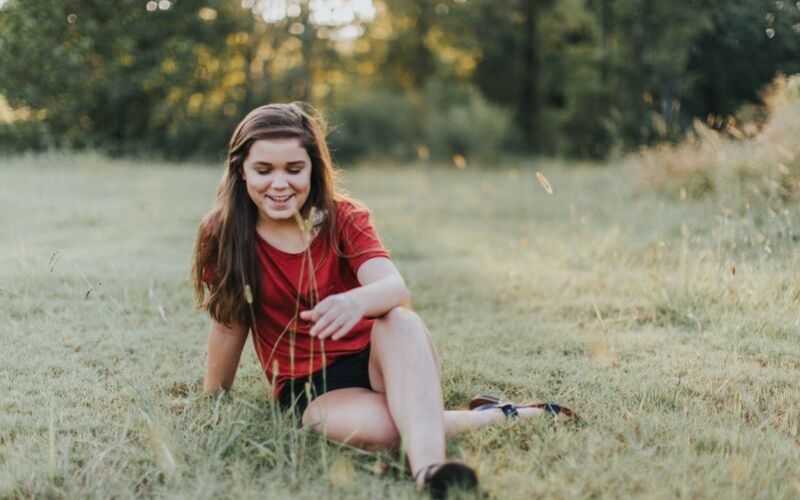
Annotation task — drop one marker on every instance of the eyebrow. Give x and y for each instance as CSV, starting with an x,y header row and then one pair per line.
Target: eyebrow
x,y
268,164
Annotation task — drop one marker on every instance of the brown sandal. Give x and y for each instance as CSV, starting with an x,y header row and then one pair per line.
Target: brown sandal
x,y
439,478
509,409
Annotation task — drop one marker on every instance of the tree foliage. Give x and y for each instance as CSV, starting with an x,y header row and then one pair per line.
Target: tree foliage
x,y
411,77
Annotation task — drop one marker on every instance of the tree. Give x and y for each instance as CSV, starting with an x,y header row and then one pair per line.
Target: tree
x,y
102,68
749,42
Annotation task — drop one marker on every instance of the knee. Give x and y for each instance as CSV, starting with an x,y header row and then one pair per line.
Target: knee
x,y
313,418
398,317
401,322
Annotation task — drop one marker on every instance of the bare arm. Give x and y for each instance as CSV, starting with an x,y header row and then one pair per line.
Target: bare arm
x,y
382,289
225,344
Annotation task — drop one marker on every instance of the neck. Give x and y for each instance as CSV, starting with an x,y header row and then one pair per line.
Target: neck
x,y
272,226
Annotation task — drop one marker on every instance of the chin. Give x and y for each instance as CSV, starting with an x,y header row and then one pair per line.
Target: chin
x,y
282,215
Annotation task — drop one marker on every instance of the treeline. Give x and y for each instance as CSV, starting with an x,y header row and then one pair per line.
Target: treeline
x,y
397,79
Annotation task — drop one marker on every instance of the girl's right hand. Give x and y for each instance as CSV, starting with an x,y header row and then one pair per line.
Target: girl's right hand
x,y
334,316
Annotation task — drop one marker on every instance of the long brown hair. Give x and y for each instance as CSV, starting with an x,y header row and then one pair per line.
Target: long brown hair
x,y
225,257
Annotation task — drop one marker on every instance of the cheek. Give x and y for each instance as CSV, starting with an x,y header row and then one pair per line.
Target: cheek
x,y
255,188
256,182
305,182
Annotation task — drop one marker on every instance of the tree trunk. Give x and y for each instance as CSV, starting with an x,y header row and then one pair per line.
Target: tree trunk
x,y
529,106
425,61
605,27
637,35
308,38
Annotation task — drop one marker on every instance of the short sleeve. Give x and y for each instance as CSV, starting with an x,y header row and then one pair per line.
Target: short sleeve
x,y
359,239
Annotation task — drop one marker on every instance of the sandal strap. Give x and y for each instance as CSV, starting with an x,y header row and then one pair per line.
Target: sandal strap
x,y
482,399
425,472
553,408
509,409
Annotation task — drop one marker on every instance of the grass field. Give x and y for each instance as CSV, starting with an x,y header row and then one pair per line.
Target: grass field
x,y
672,326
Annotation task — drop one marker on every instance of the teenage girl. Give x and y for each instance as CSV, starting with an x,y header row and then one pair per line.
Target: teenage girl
x,y
285,255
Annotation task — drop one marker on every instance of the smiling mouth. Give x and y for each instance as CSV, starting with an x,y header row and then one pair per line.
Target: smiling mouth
x,y
280,199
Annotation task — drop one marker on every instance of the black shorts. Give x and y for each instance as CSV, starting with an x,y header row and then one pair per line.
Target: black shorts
x,y
349,371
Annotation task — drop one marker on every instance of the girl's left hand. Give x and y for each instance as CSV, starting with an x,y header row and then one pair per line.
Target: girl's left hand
x,y
334,316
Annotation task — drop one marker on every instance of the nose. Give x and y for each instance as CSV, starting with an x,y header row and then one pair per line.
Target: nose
x,y
280,182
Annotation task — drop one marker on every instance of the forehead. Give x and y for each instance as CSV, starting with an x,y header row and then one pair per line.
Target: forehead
x,y
277,151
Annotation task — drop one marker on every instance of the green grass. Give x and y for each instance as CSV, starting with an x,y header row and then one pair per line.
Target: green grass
x,y
689,384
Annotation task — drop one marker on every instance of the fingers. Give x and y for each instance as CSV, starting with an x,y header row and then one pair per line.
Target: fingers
x,y
344,330
331,327
321,324
315,314
333,317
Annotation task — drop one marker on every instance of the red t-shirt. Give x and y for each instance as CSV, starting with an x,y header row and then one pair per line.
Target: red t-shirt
x,y
286,289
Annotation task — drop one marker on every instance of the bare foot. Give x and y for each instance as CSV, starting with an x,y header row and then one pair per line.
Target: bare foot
x,y
529,412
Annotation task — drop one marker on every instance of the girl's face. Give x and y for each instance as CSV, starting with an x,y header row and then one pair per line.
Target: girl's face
x,y
277,173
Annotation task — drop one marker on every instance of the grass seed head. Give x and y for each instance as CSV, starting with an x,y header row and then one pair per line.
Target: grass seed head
x,y
735,132
422,152
179,405
544,182
379,467
341,472
600,352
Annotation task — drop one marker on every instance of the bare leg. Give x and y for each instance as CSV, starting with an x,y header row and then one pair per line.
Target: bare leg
x,y
458,421
356,416
361,418
406,404
404,366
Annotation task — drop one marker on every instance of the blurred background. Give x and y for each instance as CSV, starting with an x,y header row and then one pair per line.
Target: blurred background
x,y
398,79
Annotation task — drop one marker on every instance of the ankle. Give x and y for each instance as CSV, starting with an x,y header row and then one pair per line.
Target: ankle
x,y
440,477
421,474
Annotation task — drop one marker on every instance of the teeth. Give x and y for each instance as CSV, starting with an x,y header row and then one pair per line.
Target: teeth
x,y
275,198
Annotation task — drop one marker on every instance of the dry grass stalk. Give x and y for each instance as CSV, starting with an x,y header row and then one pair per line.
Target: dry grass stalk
x,y
732,163
728,390
599,349
544,182
460,162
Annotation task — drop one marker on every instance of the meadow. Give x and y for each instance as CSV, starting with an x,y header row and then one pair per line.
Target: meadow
x,y
670,323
